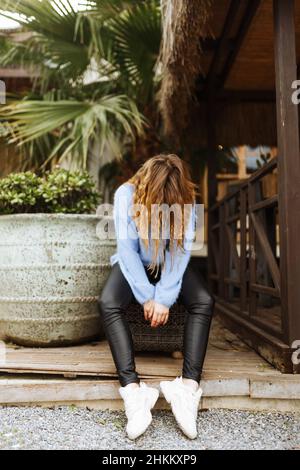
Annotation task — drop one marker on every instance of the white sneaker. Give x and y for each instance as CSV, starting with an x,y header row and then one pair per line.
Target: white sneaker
x,y
138,404
184,403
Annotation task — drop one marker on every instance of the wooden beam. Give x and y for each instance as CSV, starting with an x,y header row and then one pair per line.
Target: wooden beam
x,y
250,13
212,145
233,249
11,72
288,166
266,248
274,350
239,96
222,43
241,153
212,183
243,249
263,96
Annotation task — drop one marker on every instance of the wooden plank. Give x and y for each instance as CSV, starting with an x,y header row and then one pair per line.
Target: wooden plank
x,y
252,253
243,254
222,290
267,250
266,203
80,361
233,249
264,170
288,166
268,328
266,344
215,226
98,362
265,290
232,282
227,358
258,175
232,219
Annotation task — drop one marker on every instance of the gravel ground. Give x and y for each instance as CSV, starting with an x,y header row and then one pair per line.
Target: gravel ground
x,y
73,428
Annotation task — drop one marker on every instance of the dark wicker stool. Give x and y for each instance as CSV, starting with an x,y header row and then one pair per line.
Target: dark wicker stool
x,y
168,338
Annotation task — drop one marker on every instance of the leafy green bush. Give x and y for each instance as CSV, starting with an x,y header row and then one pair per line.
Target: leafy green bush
x,y
59,191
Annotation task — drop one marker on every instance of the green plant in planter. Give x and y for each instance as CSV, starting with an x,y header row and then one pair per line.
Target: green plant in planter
x,y
70,192
60,191
21,193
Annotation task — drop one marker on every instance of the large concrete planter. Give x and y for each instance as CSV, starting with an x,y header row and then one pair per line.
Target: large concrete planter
x,y
52,269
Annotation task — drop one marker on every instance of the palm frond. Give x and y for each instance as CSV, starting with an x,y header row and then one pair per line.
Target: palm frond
x,y
128,35
137,34
53,40
116,42
74,123
105,9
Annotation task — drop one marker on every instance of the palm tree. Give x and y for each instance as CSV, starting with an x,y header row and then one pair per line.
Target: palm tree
x,y
95,76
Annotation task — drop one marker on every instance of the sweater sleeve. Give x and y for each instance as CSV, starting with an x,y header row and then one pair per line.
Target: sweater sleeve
x,y
168,288
128,247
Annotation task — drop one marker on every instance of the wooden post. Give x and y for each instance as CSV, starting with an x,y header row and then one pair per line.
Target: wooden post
x,y
288,167
211,177
212,146
242,163
243,248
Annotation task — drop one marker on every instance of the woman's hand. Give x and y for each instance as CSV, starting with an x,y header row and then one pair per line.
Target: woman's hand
x,y
148,309
160,315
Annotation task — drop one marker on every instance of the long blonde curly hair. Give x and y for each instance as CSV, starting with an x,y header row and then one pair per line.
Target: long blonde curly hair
x,y
163,180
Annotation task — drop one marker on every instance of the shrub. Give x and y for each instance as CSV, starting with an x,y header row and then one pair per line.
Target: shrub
x,y
60,191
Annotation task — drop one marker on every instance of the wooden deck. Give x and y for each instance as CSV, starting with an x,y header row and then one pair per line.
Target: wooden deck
x,y
234,376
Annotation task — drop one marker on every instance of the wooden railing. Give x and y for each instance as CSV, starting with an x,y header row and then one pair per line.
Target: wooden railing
x,y
244,271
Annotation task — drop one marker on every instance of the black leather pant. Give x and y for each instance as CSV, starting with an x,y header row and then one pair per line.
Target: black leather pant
x,y
117,295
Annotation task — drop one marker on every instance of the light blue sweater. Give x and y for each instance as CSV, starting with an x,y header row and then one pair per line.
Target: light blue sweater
x,y
133,256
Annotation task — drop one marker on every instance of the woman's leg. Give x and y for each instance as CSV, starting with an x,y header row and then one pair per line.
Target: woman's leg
x,y
184,393
199,304
138,400
116,296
